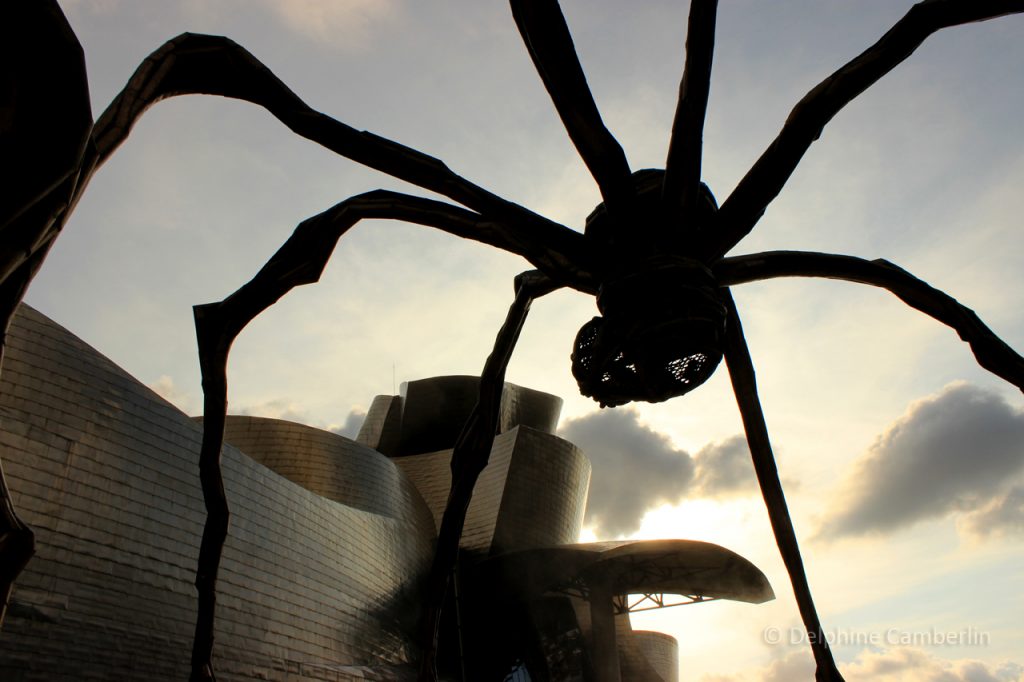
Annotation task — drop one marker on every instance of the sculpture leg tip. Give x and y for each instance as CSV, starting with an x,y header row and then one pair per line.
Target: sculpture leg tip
x,y
828,673
428,669
203,674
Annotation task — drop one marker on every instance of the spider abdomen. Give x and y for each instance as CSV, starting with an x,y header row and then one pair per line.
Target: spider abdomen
x,y
659,334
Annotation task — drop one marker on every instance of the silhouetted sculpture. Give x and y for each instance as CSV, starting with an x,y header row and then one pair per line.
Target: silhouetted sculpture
x,y
653,253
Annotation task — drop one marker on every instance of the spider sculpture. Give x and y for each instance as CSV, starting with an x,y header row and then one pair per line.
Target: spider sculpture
x,y
653,253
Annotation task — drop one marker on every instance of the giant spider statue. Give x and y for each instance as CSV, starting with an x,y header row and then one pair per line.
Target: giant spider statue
x,y
653,253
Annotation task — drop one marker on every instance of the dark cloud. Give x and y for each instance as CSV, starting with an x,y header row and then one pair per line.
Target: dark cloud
x,y
958,451
725,470
636,468
353,422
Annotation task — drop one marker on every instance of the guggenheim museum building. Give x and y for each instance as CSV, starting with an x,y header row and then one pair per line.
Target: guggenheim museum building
x,y
329,543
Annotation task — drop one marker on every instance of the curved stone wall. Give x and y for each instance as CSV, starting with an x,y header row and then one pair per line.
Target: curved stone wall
x,y
105,472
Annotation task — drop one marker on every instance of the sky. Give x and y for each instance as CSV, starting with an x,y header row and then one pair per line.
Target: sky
x,y
902,460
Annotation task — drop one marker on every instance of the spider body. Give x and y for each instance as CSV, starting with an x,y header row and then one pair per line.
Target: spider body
x,y
659,335
653,252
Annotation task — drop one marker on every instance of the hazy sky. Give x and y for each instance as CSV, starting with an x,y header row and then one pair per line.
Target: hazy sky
x,y
903,461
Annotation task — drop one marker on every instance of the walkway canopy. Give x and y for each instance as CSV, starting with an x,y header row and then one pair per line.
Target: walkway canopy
x,y
699,570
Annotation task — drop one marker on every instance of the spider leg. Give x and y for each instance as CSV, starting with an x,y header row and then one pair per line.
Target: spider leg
x,y
469,458
45,145
991,352
47,118
17,545
766,178
300,260
682,167
547,38
214,65
744,385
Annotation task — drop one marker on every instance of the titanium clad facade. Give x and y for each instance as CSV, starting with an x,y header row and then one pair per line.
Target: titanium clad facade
x,y
382,426
661,651
331,466
329,540
432,475
105,473
545,495
533,492
435,409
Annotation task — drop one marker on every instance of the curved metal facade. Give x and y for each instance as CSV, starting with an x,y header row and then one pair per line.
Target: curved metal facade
x,y
658,650
331,466
105,472
434,411
533,492
329,537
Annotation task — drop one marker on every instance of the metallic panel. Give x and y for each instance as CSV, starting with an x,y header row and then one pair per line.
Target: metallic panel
x,y
435,410
105,472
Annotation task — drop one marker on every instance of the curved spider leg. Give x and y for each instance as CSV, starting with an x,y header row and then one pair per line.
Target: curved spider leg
x,y
991,352
681,186
744,385
547,38
214,65
766,178
469,458
300,260
44,143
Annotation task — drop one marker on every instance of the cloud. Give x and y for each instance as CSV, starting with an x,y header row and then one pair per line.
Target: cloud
x,y
636,469
293,412
353,422
796,666
1002,517
725,470
887,665
345,23
276,409
955,452
169,391
915,665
